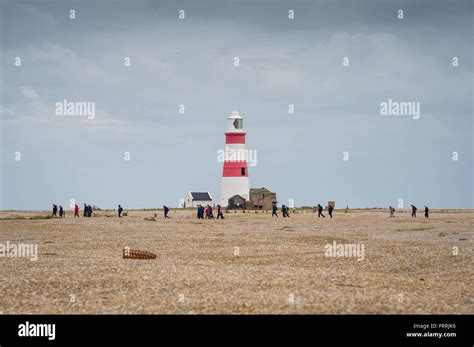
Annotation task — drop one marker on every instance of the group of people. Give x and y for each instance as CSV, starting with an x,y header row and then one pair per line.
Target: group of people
x,y
62,212
207,213
320,209
87,211
413,211
284,210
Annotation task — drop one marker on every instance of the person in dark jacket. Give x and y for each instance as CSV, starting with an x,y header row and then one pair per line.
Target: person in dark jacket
x,y
320,211
165,211
274,210
210,216
61,212
330,209
55,210
120,210
200,212
427,212
413,211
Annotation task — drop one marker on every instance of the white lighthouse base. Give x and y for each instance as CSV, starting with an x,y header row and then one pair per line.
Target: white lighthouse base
x,y
232,186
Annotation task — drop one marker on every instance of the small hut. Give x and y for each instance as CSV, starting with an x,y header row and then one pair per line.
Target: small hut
x,y
236,202
261,199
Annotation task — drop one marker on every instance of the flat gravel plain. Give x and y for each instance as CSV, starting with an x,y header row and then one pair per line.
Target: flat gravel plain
x,y
248,263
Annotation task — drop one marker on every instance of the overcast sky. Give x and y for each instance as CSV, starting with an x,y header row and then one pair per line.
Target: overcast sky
x,y
283,61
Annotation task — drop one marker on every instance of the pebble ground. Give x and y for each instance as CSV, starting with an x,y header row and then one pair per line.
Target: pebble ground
x,y
248,263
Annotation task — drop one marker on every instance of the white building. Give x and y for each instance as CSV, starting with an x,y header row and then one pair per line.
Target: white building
x,y
193,199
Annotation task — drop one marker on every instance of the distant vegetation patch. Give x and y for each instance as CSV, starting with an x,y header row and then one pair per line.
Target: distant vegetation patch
x,y
415,229
26,218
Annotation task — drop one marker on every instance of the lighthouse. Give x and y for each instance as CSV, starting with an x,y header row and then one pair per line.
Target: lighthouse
x,y
235,176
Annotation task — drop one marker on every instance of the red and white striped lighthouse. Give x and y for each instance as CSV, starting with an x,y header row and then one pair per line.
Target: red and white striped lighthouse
x,y
235,176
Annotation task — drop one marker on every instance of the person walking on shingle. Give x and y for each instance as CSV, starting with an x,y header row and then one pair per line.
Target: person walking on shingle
x,y
55,210
413,211
219,212
320,211
330,209
392,211
165,211
210,212
427,212
199,211
274,210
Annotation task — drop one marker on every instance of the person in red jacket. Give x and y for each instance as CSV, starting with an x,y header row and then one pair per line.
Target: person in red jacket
x,y
76,210
219,212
